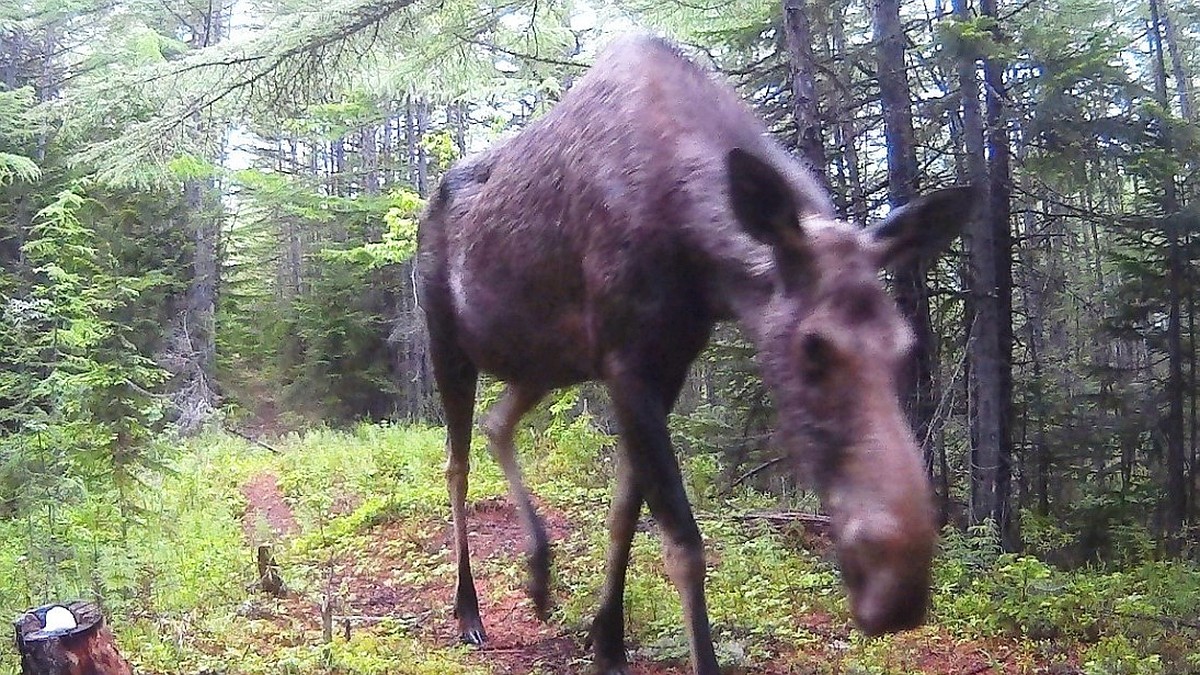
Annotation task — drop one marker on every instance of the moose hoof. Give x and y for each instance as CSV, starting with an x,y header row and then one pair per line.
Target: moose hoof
x,y
474,637
540,594
541,605
539,582
608,651
603,666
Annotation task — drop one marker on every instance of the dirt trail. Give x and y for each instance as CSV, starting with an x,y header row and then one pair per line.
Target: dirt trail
x,y
268,517
375,582
518,643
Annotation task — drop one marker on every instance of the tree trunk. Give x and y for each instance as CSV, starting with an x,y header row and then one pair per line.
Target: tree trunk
x,y
985,384
1187,110
456,118
370,161
1183,83
337,168
847,128
195,341
410,141
1175,511
422,156
269,579
202,293
912,291
293,244
1000,212
1194,470
1033,294
798,39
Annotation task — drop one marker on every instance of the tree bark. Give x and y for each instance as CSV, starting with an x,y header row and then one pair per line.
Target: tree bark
x,y
912,291
422,156
1187,111
1000,212
370,160
456,118
196,339
1175,506
985,384
202,293
293,263
1035,412
410,141
797,31
1183,83
269,578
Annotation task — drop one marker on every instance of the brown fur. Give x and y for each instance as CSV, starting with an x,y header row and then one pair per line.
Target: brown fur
x,y
603,242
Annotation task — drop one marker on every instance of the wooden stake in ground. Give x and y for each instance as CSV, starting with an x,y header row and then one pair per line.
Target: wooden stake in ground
x,y
67,639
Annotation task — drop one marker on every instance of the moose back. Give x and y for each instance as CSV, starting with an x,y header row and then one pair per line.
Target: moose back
x,y
603,242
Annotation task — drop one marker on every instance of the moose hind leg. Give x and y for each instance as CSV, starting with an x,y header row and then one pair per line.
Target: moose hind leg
x,y
456,379
500,425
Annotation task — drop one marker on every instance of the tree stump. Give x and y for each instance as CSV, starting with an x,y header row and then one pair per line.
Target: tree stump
x,y
67,639
268,573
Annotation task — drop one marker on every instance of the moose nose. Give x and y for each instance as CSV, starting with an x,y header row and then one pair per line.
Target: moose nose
x,y
891,610
887,575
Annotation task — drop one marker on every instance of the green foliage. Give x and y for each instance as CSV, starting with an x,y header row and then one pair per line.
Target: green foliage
x,y
1116,655
97,380
15,167
82,401
974,37
18,126
325,342
979,590
190,167
399,241
180,553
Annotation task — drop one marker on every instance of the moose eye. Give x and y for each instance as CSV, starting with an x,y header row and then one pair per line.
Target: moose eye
x,y
816,355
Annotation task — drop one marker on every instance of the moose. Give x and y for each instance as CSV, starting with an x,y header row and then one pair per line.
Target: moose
x,y
604,242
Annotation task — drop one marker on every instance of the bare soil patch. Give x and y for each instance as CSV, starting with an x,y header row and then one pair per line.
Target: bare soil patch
x,y
268,517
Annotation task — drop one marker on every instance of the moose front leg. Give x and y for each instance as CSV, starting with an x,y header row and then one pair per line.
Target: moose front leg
x,y
607,636
643,420
499,425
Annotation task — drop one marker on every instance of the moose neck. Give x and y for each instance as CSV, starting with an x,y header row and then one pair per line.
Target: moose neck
x,y
753,298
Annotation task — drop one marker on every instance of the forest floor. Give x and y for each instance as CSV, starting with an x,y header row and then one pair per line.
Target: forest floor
x,y
358,524
374,589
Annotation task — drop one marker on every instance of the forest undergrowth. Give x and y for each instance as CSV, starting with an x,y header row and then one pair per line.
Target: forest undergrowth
x,y
358,522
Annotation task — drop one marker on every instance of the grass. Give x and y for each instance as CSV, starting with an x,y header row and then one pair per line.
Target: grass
x,y
177,581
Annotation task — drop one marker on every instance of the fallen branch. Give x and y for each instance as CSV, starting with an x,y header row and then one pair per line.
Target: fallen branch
x,y
785,517
777,517
362,618
755,471
247,437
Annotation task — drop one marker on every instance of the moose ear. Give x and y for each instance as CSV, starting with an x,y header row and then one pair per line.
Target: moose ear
x,y
925,226
762,199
